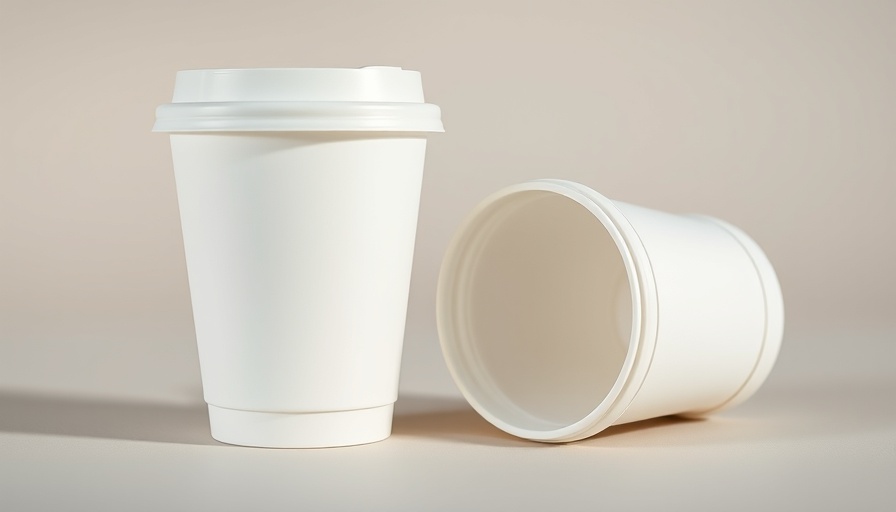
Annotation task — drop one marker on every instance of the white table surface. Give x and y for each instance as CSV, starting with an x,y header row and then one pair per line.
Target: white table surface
x,y
821,435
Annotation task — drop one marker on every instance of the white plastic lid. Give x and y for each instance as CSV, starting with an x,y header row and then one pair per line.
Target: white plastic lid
x,y
300,99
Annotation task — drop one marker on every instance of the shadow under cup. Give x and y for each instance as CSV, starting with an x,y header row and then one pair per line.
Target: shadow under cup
x,y
549,312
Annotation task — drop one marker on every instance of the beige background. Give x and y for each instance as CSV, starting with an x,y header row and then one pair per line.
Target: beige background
x,y
779,117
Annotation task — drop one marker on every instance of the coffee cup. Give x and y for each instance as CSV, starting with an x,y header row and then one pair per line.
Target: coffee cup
x,y
298,192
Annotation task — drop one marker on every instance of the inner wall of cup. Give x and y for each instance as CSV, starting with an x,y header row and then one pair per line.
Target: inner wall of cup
x,y
548,311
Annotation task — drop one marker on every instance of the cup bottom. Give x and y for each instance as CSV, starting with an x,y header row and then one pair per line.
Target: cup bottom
x,y
300,430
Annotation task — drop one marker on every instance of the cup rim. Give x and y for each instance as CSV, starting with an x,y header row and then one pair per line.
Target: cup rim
x,y
642,287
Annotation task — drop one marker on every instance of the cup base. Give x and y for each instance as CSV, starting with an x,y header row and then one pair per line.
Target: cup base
x,y
300,430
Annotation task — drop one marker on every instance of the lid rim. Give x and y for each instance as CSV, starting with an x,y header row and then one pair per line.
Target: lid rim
x,y
298,116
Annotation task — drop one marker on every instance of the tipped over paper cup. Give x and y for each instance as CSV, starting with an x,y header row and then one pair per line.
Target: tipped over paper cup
x,y
562,312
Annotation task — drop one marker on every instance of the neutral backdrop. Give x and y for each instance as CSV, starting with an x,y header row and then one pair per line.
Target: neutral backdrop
x,y
779,117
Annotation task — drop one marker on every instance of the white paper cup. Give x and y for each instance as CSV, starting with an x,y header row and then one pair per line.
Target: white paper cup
x,y
298,192
562,312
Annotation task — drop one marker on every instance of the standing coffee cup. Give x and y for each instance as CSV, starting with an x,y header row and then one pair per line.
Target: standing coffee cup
x,y
299,191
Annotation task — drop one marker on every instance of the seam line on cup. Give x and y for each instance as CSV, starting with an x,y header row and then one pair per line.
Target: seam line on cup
x,y
765,325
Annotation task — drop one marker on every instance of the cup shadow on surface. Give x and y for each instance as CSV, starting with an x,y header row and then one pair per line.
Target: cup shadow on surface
x,y
447,419
779,412
85,417
454,420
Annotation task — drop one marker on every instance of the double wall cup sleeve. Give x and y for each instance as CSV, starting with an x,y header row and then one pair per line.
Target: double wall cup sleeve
x,y
562,312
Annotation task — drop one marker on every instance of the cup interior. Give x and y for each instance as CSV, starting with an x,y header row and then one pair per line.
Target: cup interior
x,y
539,311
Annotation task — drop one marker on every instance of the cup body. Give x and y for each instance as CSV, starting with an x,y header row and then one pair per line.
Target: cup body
x,y
602,312
719,316
299,244
299,250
